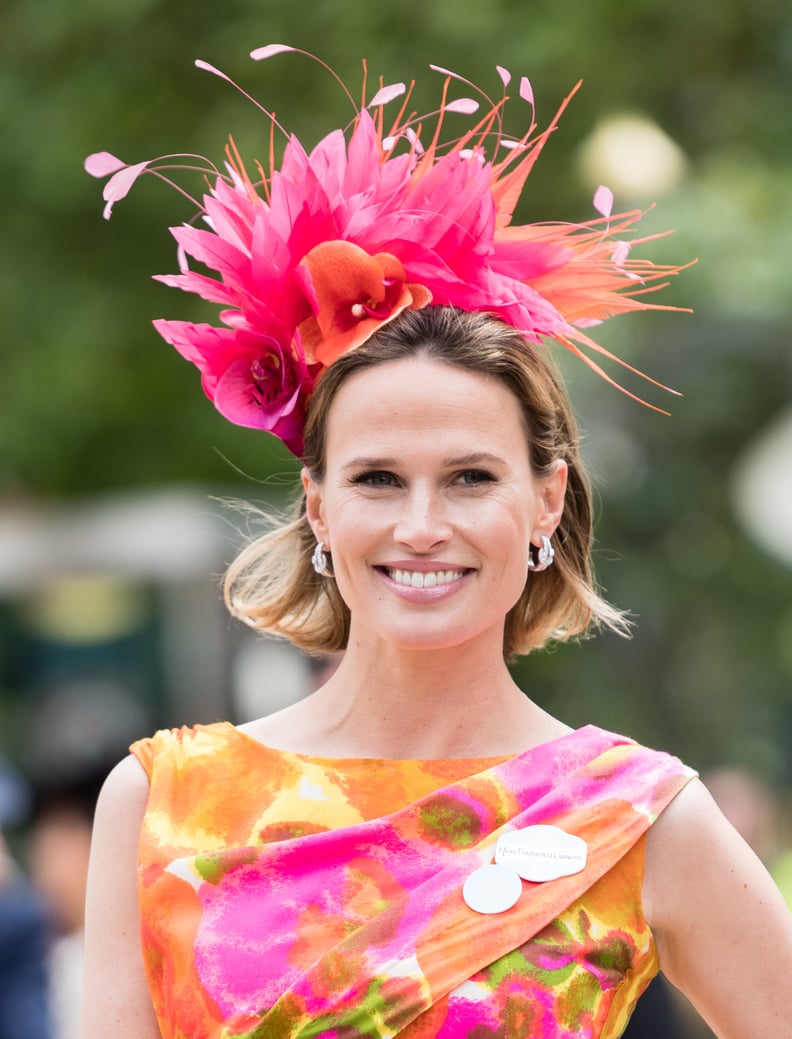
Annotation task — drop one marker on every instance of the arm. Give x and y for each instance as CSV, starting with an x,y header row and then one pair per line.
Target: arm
x,y
116,1000
723,931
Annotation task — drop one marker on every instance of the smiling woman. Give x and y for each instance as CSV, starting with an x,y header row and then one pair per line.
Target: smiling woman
x,y
522,411
417,848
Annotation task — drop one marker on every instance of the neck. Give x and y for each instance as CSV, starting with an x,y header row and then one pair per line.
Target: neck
x,y
391,703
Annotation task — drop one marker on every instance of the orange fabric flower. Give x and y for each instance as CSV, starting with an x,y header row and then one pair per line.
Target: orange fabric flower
x,y
352,295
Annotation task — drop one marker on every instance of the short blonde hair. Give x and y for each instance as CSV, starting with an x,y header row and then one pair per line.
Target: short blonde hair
x,y
272,585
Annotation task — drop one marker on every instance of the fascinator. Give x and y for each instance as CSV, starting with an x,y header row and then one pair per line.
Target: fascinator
x,y
312,254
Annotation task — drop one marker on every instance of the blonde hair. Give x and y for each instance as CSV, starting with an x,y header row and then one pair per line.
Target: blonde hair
x,y
272,585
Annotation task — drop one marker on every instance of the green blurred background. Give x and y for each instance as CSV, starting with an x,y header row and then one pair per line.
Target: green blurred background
x,y
111,458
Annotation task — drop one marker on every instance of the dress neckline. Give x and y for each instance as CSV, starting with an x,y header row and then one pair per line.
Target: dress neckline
x,y
485,760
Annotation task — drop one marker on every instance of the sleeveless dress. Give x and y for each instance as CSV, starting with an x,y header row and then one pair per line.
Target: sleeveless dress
x,y
285,896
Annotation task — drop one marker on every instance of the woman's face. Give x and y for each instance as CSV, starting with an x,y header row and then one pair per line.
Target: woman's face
x,y
429,504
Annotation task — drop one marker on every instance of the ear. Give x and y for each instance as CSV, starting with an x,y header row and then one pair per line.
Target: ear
x,y
552,491
314,507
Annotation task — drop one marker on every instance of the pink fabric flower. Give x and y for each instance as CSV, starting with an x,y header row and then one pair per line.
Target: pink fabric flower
x,y
252,379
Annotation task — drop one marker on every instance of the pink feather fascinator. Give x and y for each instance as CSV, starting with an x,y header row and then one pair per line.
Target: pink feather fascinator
x,y
311,255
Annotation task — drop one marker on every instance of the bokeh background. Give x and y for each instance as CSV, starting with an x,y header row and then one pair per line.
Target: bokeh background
x,y
110,456
113,465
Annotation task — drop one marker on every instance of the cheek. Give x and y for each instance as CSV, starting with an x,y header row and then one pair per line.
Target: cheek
x,y
349,524
515,574
351,534
507,527
511,541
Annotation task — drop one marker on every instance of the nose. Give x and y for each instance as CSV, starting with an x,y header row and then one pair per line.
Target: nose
x,y
423,523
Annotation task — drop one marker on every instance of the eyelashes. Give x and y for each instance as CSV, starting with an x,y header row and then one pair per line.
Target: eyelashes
x,y
375,478
473,477
383,478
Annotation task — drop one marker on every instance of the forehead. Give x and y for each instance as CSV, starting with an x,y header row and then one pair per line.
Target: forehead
x,y
418,403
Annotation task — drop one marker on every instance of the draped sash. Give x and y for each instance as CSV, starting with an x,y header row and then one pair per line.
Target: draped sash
x,y
361,929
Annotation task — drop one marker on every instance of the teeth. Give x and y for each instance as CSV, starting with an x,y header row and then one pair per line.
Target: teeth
x,y
417,579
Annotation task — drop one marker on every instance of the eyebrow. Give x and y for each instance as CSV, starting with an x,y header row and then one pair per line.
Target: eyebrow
x,y
475,458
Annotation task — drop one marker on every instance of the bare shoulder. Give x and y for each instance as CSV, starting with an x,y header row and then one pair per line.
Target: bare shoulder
x,y
688,826
120,810
126,786
116,999
717,918
693,852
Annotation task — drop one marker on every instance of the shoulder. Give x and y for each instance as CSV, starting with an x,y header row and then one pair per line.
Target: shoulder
x,y
116,996
690,843
646,778
124,795
173,747
714,912
112,873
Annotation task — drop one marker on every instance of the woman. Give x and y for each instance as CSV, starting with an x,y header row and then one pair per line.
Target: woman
x,y
417,848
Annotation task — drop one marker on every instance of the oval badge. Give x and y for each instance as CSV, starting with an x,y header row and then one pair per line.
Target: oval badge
x,y
540,853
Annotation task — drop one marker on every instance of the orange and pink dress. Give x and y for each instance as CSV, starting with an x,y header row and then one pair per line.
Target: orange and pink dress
x,y
285,896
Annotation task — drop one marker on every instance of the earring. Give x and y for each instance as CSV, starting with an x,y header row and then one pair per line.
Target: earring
x,y
319,560
544,556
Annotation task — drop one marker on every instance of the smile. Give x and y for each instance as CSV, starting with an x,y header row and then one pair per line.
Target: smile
x,y
416,579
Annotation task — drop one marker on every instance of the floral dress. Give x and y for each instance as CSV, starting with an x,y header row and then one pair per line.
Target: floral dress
x,y
285,896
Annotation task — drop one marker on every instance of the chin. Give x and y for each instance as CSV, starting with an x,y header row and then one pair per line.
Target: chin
x,y
427,641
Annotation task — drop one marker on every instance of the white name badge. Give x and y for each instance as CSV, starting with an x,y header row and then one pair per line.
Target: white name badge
x,y
540,853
